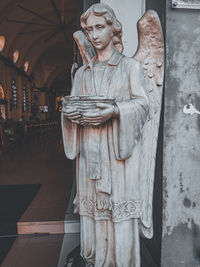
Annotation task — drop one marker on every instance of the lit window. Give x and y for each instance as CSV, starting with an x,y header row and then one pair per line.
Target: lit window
x,y
26,65
2,42
14,94
25,99
2,95
15,56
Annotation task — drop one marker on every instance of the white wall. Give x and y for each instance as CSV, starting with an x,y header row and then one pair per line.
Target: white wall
x,y
128,12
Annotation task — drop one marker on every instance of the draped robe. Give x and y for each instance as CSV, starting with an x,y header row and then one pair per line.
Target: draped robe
x,y
107,162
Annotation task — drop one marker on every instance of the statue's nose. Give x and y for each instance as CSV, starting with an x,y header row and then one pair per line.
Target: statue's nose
x,y
94,35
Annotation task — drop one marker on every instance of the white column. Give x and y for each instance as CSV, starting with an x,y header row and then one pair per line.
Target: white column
x,y
128,12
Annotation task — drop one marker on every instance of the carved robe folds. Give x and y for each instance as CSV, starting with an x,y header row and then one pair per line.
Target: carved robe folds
x,y
108,160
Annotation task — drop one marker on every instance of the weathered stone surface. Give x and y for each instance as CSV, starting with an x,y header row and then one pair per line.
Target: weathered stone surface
x,y
114,143
181,216
182,247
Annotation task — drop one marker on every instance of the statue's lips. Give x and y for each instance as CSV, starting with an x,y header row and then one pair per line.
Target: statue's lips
x,y
97,43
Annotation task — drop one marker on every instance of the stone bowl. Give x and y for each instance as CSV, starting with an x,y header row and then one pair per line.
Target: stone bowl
x,y
85,103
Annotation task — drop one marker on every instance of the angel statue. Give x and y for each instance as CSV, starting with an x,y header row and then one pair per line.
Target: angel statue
x,y
110,125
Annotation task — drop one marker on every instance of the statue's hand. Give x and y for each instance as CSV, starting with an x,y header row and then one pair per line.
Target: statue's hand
x,y
72,114
95,119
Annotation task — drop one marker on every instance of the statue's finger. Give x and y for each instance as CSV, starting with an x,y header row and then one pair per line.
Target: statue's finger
x,y
75,117
69,110
96,124
90,115
71,113
83,123
72,118
92,121
103,105
76,121
92,118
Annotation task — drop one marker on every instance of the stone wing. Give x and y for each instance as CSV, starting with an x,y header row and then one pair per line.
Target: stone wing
x,y
85,47
150,54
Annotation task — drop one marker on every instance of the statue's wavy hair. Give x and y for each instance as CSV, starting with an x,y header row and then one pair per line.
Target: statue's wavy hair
x,y
103,10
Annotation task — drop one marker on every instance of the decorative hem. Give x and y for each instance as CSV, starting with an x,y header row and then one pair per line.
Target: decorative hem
x,y
118,211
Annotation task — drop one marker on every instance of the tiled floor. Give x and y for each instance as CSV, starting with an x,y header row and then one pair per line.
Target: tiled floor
x,y
41,251
46,212
55,176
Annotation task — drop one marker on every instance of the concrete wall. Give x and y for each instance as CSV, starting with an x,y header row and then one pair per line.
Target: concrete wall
x,y
181,165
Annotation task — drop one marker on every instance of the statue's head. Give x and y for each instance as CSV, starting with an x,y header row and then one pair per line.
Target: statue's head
x,y
104,15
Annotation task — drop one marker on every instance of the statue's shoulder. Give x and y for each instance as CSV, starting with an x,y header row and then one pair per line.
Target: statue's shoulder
x,y
79,72
81,68
130,63
84,67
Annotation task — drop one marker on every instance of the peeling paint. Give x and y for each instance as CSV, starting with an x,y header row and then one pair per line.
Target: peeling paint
x,y
190,109
187,202
194,204
181,141
181,183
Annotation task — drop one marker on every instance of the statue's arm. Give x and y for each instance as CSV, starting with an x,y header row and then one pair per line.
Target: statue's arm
x,y
138,87
139,101
69,120
72,113
105,112
133,113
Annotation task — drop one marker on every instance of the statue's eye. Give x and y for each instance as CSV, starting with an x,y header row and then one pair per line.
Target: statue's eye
x,y
99,27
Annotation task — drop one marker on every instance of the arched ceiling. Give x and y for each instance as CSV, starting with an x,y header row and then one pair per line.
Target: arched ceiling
x,y
42,32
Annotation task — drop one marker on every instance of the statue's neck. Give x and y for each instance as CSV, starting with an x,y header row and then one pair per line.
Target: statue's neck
x,y
106,53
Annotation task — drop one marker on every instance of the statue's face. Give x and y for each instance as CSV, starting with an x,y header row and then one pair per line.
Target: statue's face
x,y
99,33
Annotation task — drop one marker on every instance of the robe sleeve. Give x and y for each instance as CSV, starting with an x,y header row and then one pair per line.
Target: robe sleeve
x,y
133,114
70,130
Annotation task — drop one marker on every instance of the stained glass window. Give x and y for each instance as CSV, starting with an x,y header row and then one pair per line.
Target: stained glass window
x,y
14,95
25,99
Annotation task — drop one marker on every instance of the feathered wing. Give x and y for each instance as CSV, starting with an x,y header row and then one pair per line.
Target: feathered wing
x,y
86,49
150,54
